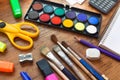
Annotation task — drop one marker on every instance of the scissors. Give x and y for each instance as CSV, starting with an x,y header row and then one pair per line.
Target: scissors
x,y
14,30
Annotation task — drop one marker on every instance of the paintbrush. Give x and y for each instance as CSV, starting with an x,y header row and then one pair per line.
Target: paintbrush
x,y
76,60
84,62
92,66
54,39
45,51
58,70
59,51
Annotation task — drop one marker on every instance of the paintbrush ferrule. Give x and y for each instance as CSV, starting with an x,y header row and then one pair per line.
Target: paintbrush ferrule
x,y
55,60
59,51
63,48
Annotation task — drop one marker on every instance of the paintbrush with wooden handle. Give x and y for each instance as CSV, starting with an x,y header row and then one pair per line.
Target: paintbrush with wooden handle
x,y
86,63
54,39
59,51
46,52
63,76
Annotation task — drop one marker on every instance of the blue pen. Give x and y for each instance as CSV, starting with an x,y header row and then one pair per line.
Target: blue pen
x,y
86,64
25,76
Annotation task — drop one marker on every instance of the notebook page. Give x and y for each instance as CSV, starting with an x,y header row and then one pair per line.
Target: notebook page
x,y
112,37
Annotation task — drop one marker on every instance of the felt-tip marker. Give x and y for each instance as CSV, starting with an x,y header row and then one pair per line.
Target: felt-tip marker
x,y
6,66
46,69
16,9
25,76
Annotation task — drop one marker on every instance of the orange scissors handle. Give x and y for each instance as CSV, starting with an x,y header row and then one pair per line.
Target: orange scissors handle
x,y
14,30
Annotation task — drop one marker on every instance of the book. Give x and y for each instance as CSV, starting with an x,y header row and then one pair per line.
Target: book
x,y
111,39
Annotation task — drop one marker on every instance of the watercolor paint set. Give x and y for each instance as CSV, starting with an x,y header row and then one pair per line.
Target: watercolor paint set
x,y
64,17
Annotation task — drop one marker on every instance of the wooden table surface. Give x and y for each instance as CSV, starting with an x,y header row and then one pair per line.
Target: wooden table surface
x,y
106,65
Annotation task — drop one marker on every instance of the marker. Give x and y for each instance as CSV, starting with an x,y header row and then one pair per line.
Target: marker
x,y
6,66
108,53
25,76
16,9
2,46
46,69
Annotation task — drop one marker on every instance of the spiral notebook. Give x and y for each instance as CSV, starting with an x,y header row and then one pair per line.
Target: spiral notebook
x,y
111,39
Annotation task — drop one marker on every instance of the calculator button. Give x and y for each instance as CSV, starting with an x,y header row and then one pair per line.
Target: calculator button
x,y
103,5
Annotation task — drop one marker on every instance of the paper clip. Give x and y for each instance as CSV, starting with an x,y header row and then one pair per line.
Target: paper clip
x,y
25,57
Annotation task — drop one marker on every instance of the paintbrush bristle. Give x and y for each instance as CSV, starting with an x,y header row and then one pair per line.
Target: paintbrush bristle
x,y
56,48
54,38
44,50
65,44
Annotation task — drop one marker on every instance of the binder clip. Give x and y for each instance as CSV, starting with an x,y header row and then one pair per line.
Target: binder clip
x,y
25,57
25,76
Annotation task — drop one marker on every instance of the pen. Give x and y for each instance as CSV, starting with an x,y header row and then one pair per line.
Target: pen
x,y
108,53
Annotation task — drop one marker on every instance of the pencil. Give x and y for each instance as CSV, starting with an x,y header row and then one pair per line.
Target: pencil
x,y
108,53
90,62
58,70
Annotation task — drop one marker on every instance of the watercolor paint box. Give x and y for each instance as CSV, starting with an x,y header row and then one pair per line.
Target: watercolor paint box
x,y
64,17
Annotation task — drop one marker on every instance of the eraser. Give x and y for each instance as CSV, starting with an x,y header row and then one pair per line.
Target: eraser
x,y
92,53
2,47
6,66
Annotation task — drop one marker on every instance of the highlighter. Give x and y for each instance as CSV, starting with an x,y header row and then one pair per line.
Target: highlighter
x,y
6,66
16,9
2,46
46,69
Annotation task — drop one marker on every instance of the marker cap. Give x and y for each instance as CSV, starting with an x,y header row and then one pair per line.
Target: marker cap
x,y
16,9
6,66
25,76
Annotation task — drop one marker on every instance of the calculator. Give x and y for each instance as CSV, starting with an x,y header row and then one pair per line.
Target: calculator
x,y
103,5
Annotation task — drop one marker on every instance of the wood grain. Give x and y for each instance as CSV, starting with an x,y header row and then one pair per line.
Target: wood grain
x,y
106,65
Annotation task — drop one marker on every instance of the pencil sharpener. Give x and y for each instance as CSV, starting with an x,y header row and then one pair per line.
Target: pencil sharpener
x,y
25,57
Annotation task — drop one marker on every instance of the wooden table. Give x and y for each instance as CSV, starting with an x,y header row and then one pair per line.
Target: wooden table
x,y
106,65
